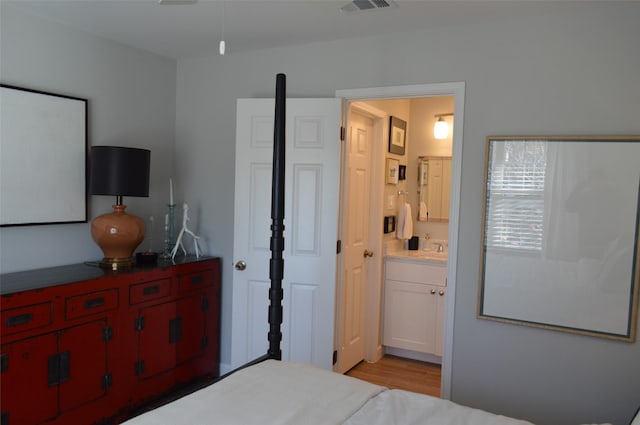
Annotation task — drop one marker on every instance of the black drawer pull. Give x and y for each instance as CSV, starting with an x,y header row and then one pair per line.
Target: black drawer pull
x,y
93,303
150,290
21,319
197,280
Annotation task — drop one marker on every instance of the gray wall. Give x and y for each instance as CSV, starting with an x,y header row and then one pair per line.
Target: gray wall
x,y
131,97
573,70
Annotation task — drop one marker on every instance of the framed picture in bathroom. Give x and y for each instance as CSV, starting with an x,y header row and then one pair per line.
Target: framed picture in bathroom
x,y
397,135
392,171
560,242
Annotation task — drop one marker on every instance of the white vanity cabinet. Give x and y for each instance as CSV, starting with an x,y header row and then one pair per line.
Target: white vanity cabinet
x,y
414,302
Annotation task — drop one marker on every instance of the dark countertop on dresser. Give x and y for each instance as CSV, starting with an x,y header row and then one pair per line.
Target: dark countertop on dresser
x,y
59,275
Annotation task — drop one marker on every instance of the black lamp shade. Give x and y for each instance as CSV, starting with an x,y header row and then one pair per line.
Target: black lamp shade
x,y
119,171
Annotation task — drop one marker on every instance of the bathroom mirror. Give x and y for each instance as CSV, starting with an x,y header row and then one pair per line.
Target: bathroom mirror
x,y
434,181
560,234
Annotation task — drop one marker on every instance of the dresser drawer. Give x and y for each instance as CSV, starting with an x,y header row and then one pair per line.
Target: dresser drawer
x,y
26,318
151,290
93,303
193,281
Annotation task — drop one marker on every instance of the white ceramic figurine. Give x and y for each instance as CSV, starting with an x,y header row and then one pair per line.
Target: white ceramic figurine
x,y
185,219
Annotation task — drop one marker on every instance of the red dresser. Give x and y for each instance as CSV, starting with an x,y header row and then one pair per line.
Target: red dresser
x,y
82,345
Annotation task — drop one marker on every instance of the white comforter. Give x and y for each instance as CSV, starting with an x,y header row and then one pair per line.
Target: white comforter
x,y
274,392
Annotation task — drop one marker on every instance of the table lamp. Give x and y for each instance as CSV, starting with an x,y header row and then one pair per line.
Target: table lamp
x,y
118,171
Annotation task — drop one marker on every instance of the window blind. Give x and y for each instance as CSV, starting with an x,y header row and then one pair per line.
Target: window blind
x,y
515,197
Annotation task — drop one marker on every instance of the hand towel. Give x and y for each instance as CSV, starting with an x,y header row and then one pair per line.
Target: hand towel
x,y
422,216
405,222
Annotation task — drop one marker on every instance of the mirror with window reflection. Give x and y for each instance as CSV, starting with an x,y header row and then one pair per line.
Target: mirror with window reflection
x,y
560,234
434,180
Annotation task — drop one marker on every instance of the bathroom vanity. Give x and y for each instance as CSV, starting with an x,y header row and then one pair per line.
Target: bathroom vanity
x,y
414,302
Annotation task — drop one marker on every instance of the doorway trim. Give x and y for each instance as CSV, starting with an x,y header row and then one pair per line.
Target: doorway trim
x,y
457,90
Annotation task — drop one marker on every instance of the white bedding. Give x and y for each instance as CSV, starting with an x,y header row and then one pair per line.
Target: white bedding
x,y
403,407
274,392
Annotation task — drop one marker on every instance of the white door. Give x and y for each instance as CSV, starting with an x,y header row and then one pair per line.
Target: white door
x,y
355,241
312,179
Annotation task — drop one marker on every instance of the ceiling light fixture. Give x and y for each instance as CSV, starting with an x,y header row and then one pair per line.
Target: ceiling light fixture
x,y
222,46
441,128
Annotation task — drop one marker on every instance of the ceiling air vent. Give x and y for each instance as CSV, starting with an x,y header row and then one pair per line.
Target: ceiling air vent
x,y
364,5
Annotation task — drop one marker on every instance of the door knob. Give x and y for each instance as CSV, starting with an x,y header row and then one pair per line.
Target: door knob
x,y
368,253
441,292
241,265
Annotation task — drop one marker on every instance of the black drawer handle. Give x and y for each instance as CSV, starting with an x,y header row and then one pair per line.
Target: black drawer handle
x,y
93,303
197,280
21,319
150,290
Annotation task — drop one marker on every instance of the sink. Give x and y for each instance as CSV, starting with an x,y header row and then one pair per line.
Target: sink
x,y
429,254
421,254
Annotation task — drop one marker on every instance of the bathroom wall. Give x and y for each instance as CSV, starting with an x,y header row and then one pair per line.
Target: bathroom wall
x,y
400,108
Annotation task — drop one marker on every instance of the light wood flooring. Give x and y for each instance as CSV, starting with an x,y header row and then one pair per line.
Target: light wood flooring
x,y
399,373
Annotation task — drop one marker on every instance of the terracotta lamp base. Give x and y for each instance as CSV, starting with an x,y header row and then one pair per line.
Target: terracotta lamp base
x,y
118,234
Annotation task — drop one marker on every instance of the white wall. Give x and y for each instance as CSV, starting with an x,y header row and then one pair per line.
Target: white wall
x,y
131,103
571,71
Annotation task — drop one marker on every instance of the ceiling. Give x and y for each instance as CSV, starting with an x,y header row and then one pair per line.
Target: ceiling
x,y
194,30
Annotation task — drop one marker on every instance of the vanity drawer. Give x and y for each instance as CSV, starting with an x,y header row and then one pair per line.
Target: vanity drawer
x,y
194,281
417,273
26,318
148,291
93,303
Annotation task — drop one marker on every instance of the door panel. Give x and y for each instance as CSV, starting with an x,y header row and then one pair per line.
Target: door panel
x,y
156,351
311,213
192,320
357,186
25,378
87,354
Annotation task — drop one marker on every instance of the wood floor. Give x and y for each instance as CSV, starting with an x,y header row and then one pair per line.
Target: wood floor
x,y
399,373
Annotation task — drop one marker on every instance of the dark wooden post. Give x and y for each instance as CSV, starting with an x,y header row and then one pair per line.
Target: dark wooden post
x,y
276,265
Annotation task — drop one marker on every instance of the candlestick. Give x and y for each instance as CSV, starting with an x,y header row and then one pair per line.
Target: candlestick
x,y
171,192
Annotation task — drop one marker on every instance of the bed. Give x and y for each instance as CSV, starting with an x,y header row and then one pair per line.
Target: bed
x,y
277,392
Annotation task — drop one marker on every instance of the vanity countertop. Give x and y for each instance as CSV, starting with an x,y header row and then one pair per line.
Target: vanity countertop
x,y
419,256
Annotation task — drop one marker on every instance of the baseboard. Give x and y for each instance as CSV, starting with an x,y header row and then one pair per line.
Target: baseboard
x,y
414,355
225,368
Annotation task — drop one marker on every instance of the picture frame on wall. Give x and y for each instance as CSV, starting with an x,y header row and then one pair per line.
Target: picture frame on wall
x,y
392,171
397,135
43,169
402,172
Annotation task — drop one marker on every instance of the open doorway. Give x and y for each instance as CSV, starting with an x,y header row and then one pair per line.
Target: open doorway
x,y
367,102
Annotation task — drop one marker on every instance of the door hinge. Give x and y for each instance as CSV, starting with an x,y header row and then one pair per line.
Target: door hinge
x,y
204,342
335,357
106,381
175,330
139,323
339,247
107,333
4,362
205,304
139,367
342,131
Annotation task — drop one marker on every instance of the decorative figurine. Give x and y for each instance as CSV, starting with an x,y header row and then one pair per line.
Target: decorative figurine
x,y
185,219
